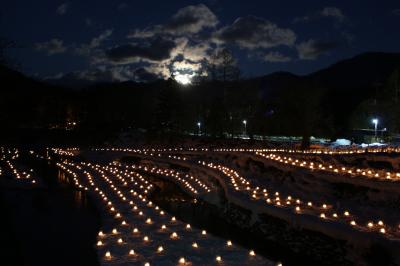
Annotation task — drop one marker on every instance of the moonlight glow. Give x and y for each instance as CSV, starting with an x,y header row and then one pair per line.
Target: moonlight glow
x,y
183,79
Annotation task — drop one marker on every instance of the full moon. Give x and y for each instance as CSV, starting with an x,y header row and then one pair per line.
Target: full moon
x,y
183,79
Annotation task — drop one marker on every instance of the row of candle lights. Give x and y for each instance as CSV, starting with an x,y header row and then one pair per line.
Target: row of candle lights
x,y
9,157
133,181
330,168
240,183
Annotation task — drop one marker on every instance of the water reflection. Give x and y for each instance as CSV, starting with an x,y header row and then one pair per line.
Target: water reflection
x,y
79,197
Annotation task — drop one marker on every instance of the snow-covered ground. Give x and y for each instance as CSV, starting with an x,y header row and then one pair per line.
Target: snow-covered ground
x,y
314,190
303,193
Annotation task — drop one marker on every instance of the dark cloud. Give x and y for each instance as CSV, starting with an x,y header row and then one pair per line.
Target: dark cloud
x,y
188,20
54,46
253,32
333,12
63,8
104,74
312,49
90,48
326,12
192,19
156,50
276,57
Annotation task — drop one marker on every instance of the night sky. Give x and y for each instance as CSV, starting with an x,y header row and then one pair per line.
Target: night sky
x,y
139,40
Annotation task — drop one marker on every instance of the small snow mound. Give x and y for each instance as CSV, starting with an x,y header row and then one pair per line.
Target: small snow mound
x,y
375,144
341,142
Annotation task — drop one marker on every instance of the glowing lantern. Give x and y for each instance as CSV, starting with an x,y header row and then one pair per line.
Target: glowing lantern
x,y
252,253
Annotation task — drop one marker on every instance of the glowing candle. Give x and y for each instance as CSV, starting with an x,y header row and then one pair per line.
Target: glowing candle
x,y
252,253
160,249
195,245
131,252
229,243
108,255
218,258
182,260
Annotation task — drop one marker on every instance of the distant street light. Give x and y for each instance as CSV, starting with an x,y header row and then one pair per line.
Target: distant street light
x,y
199,125
375,121
245,126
